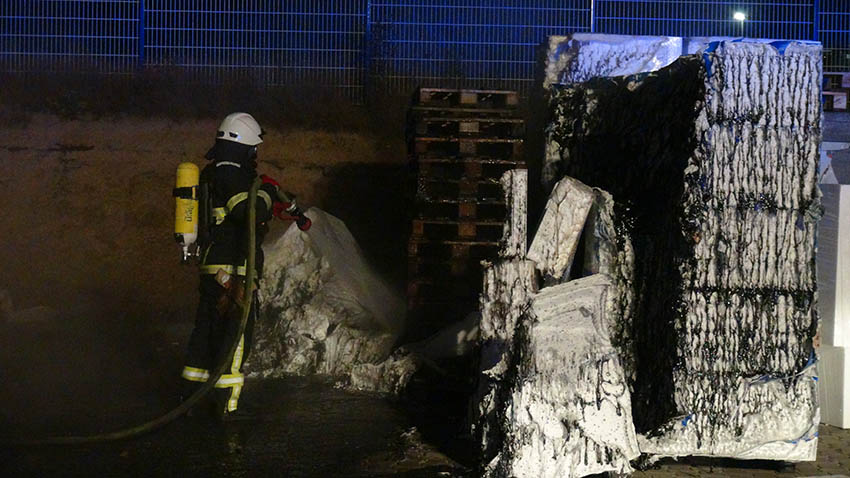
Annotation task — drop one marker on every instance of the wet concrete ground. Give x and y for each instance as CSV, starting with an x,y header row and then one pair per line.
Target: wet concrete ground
x,y
305,428
301,428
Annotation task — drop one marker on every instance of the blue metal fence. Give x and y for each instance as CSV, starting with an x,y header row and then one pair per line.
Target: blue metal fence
x,y
315,42
474,43
834,33
396,44
39,35
780,19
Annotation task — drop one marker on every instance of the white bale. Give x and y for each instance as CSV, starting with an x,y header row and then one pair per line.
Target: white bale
x,y
833,262
324,309
555,243
834,385
507,288
777,418
569,413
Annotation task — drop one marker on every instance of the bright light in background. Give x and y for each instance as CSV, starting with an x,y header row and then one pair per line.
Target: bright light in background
x,y
740,16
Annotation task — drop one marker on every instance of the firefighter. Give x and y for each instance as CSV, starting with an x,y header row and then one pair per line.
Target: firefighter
x,y
224,185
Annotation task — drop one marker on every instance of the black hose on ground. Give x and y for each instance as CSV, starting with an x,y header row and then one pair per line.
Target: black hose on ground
x,y
250,276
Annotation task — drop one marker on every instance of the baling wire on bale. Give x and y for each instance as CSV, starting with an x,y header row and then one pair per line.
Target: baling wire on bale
x,y
250,275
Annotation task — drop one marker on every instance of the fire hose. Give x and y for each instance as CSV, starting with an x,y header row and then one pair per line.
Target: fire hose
x,y
221,369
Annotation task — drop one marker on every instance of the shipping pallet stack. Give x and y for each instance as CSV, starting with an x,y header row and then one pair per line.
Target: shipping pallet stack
x,y
460,144
836,91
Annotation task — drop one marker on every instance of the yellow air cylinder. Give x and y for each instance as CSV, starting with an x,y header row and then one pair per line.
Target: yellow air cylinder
x,y
186,212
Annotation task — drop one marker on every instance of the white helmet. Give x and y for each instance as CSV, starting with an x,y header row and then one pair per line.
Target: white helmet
x,y
241,128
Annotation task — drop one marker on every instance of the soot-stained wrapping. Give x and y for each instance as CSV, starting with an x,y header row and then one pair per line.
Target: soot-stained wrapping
x,y
715,160
324,310
553,397
633,137
507,287
582,56
508,283
608,250
515,231
568,409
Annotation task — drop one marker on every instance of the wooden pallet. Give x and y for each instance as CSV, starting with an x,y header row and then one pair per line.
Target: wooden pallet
x,y
835,80
481,189
434,315
461,143
442,229
428,267
440,288
433,146
460,209
465,112
457,126
465,168
462,97
835,100
452,250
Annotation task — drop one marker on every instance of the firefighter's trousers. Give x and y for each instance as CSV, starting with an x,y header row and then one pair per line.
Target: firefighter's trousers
x,y
209,343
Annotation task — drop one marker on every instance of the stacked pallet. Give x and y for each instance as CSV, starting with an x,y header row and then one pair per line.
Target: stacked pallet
x,y
461,142
836,91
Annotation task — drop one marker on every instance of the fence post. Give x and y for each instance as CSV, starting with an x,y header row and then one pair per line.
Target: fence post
x,y
816,20
141,45
367,52
592,16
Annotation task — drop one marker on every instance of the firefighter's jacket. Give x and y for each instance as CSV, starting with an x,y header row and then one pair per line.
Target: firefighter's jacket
x,y
228,185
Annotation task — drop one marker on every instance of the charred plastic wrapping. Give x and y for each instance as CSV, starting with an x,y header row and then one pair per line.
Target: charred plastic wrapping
x,y
508,283
712,164
553,399
667,302
569,408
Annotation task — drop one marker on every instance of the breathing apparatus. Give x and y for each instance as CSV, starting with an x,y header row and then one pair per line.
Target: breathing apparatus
x,y
186,215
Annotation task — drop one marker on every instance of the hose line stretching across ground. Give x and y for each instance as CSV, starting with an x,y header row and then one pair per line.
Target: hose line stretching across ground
x,y
247,299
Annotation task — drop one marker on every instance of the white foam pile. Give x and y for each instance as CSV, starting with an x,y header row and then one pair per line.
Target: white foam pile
x,y
392,375
715,157
569,409
325,311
